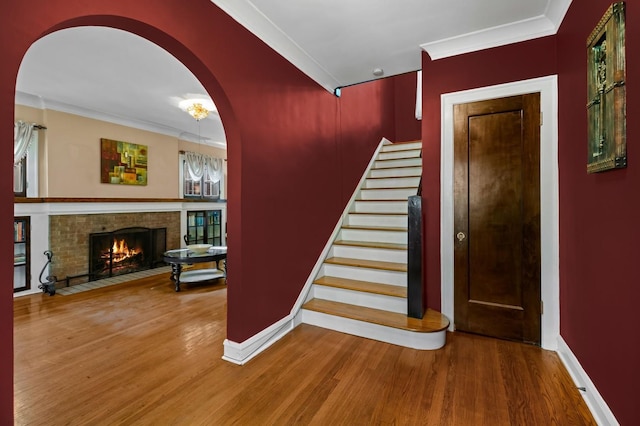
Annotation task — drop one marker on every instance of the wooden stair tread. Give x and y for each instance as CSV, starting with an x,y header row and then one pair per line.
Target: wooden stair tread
x,y
383,160
396,167
393,177
363,263
392,246
432,321
377,201
375,228
403,142
385,199
378,214
389,187
363,286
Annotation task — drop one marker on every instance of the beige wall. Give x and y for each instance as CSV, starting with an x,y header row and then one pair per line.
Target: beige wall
x,y
69,152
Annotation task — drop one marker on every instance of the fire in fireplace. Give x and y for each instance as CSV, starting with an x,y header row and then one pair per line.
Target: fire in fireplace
x,y
120,253
125,250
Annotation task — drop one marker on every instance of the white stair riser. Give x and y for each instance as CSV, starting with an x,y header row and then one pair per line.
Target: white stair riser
x,y
387,194
396,172
381,207
364,274
390,220
373,236
392,182
407,162
359,298
368,253
408,339
391,155
402,147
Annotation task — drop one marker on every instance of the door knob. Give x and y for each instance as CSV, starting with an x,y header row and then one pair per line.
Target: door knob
x,y
460,236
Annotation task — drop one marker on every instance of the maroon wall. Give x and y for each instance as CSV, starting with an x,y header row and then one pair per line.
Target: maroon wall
x,y
598,239
295,151
407,127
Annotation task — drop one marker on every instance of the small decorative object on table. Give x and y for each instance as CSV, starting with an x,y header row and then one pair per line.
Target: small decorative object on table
x,y
199,248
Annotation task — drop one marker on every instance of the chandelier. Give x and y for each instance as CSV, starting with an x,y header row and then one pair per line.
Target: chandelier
x,y
197,108
197,111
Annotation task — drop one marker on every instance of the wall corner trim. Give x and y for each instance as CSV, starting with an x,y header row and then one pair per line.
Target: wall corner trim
x,y
597,405
544,25
241,353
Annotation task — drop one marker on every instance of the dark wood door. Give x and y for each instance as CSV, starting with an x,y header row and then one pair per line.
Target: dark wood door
x,y
497,218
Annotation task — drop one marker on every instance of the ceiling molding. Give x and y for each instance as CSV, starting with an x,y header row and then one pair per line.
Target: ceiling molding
x,y
528,29
247,15
29,100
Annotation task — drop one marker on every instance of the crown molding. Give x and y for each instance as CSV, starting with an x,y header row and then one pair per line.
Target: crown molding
x,y
247,15
29,100
528,29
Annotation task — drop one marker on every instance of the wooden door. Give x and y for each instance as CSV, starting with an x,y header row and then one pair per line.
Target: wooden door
x,y
497,218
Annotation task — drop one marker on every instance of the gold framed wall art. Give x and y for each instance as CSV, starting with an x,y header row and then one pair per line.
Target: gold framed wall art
x,y
606,91
123,163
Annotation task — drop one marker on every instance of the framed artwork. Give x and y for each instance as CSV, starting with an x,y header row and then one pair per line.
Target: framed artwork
x,y
606,91
123,163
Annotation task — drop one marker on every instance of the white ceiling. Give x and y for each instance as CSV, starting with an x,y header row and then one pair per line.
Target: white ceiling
x,y
117,76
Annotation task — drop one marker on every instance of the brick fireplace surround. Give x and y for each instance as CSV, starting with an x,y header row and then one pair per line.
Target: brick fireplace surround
x,y
69,235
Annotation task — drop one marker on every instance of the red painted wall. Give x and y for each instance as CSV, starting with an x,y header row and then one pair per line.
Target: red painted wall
x,y
598,212
295,151
407,127
598,237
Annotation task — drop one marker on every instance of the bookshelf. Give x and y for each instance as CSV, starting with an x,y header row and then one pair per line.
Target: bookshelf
x,y
21,254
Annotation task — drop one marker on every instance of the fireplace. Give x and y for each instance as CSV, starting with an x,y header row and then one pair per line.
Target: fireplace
x,y
125,250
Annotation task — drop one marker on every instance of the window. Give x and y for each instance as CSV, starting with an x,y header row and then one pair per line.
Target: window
x,y
201,176
203,188
25,172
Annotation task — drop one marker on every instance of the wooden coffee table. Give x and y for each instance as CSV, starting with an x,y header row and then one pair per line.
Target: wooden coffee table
x,y
179,257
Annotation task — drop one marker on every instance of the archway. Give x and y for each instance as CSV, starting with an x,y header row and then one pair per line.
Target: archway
x,y
162,39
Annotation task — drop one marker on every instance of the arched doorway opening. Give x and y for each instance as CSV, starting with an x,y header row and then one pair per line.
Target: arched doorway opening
x,y
204,75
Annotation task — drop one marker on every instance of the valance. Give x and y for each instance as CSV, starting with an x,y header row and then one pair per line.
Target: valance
x,y
199,164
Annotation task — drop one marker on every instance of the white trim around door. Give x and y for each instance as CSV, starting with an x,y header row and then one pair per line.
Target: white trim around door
x,y
549,198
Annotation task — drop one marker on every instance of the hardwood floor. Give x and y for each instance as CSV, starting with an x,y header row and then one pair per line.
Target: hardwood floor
x,y
140,353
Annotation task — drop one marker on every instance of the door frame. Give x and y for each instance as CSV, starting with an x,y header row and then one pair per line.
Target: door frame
x,y
549,196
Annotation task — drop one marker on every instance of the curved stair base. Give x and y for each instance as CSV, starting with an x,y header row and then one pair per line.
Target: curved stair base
x,y
427,334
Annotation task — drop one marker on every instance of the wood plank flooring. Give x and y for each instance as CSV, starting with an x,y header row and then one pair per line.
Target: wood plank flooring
x,y
141,354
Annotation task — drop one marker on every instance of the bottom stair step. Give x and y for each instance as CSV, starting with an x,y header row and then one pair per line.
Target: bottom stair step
x,y
432,321
428,333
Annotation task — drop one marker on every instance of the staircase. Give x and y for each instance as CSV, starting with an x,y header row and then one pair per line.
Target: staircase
x,y
361,287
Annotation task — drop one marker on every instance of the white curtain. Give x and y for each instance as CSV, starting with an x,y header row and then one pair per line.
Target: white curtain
x,y
198,164
195,165
22,133
214,168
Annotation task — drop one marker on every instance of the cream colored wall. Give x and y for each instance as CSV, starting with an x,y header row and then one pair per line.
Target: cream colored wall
x,y
69,153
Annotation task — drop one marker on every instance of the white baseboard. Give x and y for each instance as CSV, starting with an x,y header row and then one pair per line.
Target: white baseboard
x,y
241,353
597,405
